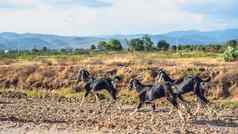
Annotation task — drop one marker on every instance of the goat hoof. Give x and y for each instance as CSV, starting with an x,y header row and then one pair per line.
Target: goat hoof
x,y
190,117
195,114
170,112
119,108
133,113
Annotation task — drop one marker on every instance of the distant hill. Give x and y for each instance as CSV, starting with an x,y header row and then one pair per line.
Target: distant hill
x,y
29,41
197,37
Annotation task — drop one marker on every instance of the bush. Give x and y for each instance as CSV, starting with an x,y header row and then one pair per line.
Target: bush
x,y
136,44
111,45
163,45
141,44
231,54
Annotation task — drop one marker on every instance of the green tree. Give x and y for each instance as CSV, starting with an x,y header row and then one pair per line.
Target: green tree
x,y
44,49
232,43
231,54
92,47
102,45
35,50
163,45
174,48
63,50
111,45
148,44
180,47
114,45
136,44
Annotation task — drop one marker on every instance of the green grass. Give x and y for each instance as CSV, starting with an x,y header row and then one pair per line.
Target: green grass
x,y
228,104
65,92
161,54
179,54
35,93
128,99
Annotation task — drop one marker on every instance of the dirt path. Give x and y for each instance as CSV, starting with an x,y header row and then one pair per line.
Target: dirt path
x,y
50,116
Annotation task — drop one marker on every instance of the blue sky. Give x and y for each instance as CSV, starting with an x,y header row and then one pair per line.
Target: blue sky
x,y
97,17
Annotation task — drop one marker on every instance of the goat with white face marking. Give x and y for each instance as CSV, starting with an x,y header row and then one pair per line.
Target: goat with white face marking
x,y
149,93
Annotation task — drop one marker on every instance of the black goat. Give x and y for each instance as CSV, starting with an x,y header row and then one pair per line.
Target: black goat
x,y
93,85
149,93
189,83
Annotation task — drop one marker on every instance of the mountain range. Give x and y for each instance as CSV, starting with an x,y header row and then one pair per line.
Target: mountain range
x,y
13,41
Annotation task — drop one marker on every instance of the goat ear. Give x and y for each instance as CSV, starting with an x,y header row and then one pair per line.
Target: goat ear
x,y
115,78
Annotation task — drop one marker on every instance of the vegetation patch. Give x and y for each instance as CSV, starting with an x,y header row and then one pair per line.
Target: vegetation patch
x,y
231,54
229,104
65,92
35,93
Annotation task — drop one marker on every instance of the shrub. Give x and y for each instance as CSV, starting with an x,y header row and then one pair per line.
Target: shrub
x,y
163,45
141,44
111,45
231,54
136,44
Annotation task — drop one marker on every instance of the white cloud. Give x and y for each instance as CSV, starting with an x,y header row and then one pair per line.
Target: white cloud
x,y
17,3
123,16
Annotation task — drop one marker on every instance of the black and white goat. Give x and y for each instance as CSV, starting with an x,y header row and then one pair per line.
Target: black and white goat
x,y
149,93
94,86
189,83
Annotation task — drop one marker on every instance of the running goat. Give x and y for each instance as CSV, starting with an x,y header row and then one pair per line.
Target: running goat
x,y
149,93
94,86
189,83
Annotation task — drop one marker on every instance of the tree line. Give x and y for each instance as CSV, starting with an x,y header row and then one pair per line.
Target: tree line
x,y
146,44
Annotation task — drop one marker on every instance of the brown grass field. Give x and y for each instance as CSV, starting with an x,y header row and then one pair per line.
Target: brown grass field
x,y
36,95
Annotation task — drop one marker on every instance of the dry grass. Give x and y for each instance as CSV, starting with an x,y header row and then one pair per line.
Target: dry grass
x,y
60,73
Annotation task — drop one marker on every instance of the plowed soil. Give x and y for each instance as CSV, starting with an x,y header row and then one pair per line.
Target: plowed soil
x,y
56,115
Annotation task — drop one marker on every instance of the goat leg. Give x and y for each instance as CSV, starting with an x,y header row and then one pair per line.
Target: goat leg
x,y
82,101
198,108
173,101
138,107
98,101
118,105
171,111
153,106
85,95
108,107
136,110
181,115
152,112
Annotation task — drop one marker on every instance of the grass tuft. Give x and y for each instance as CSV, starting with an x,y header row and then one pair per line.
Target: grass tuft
x,y
35,93
65,92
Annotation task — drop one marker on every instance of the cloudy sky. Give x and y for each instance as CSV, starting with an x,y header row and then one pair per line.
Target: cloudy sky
x,y
101,17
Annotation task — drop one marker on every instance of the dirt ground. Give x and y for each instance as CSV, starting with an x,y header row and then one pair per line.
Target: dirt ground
x,y
25,115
